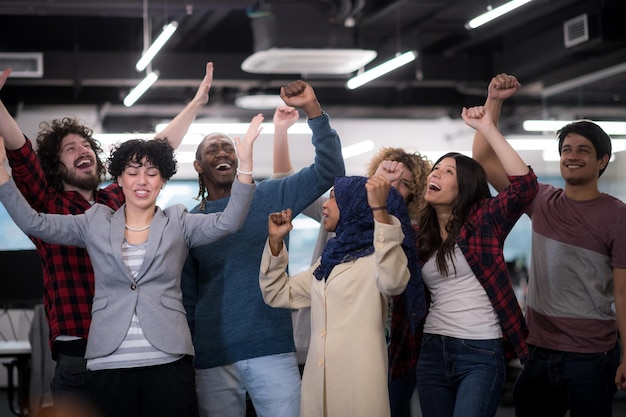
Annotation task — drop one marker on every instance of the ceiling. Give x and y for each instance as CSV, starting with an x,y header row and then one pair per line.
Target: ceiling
x,y
90,49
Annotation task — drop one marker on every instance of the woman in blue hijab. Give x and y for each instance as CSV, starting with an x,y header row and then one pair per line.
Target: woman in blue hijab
x,y
372,258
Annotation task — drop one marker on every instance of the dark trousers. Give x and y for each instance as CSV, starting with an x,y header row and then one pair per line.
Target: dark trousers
x,y
151,391
70,384
553,382
400,393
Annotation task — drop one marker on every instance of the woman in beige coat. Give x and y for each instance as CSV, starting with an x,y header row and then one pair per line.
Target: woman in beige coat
x,y
370,259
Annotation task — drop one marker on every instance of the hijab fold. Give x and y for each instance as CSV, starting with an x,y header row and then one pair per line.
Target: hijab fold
x,y
354,235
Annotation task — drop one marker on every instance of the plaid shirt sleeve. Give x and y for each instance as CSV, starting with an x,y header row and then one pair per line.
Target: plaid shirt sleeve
x,y
28,175
482,244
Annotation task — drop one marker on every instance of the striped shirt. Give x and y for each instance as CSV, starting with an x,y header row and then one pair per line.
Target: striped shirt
x,y
135,350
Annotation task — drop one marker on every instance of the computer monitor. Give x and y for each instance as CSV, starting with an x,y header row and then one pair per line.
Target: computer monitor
x,y
21,279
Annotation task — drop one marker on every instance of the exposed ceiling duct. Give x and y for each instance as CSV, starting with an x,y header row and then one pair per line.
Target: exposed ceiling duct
x,y
23,64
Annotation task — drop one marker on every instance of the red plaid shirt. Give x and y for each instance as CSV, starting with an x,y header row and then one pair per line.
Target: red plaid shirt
x,y
67,271
481,240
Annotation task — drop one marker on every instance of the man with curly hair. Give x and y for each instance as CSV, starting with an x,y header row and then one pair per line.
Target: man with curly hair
x,y
62,177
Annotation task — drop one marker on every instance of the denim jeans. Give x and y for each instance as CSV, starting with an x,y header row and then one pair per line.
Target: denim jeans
x,y
272,382
460,377
400,394
553,382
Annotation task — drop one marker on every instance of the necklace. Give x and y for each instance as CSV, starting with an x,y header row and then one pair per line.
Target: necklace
x,y
136,229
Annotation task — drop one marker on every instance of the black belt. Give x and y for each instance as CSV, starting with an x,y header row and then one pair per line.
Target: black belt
x,y
74,362
71,347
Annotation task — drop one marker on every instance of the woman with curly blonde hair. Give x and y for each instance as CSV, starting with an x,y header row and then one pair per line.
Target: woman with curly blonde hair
x,y
413,183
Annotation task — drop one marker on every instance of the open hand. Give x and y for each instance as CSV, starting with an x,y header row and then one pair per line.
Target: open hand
x,y
244,145
202,95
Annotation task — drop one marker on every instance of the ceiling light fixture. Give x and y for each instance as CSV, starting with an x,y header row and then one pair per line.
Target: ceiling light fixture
x,y
156,46
307,61
141,88
495,13
611,128
381,69
259,101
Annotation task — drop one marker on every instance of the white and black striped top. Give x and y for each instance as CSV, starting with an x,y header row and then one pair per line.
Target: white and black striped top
x,y
135,350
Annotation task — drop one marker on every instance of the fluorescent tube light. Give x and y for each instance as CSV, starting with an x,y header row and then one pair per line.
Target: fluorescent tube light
x,y
141,88
592,77
357,149
381,69
259,101
495,13
611,128
156,46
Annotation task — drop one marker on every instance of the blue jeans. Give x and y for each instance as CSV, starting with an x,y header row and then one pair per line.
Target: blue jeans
x,y
273,383
460,377
400,394
553,382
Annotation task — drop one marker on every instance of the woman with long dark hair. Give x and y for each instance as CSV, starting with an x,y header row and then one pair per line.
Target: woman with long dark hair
x,y
474,322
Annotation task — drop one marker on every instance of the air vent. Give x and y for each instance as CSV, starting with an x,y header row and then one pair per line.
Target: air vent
x,y
576,31
23,64
307,61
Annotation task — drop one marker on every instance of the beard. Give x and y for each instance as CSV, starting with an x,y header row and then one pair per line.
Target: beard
x,y
90,182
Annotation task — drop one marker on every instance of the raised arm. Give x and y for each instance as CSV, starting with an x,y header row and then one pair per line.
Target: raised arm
x,y
301,95
278,226
284,118
4,172
377,191
176,130
13,136
244,148
501,87
481,120
53,228
301,189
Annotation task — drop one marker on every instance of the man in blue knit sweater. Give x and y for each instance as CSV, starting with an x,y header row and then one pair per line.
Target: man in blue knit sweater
x,y
242,345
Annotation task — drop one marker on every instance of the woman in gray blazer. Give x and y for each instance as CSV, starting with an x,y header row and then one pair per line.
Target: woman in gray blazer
x,y
139,346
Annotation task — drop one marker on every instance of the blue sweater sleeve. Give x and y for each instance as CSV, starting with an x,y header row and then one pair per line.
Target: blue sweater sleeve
x,y
301,189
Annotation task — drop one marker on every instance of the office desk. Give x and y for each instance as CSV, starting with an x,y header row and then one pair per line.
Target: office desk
x,y
15,354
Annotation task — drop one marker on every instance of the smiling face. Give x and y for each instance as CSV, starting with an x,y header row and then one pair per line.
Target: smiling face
x,y
79,169
217,161
443,186
579,161
330,213
141,183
